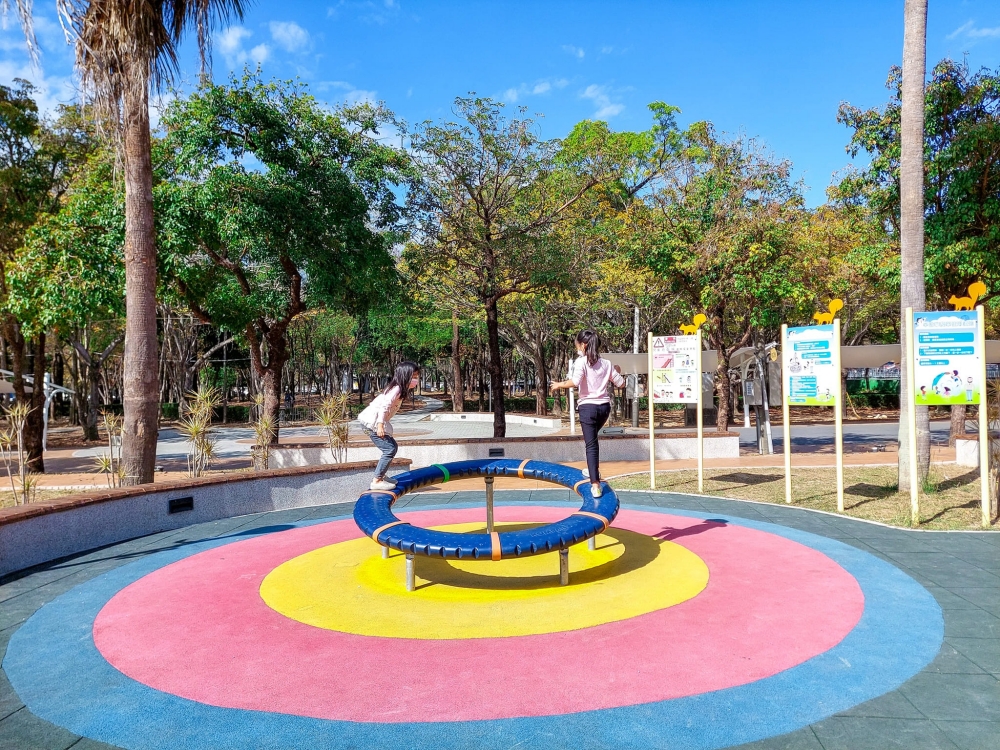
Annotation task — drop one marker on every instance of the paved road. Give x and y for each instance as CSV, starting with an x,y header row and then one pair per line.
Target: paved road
x,y
856,436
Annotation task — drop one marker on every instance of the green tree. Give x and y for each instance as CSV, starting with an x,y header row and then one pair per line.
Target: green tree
x,y
69,274
721,231
961,186
36,163
123,50
489,193
281,206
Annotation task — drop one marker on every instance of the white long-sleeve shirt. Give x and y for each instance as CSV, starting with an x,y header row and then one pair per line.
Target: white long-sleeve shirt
x,y
382,408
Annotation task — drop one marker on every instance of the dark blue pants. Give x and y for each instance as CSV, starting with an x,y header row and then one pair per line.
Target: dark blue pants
x,y
592,418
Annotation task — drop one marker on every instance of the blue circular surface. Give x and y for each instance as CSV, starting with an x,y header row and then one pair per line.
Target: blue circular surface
x,y
54,666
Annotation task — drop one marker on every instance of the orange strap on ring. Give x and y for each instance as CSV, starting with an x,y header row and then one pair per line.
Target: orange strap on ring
x,y
380,529
520,469
582,481
495,544
598,516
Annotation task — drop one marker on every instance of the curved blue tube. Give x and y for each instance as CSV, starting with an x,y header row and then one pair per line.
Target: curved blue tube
x,y
374,516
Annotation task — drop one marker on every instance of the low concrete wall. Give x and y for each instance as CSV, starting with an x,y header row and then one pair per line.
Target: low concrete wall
x,y
557,448
486,416
41,532
967,451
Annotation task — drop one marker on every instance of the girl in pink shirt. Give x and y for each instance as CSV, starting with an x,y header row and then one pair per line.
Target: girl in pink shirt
x,y
591,376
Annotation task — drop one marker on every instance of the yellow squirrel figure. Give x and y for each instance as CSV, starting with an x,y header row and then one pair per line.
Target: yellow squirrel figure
x,y
821,318
690,330
976,290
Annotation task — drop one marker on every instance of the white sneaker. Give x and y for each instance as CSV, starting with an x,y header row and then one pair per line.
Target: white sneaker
x,y
381,484
596,490
586,473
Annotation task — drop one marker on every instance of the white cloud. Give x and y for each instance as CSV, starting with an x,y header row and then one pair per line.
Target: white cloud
x,y
230,44
577,52
602,98
349,93
968,30
290,36
539,88
607,50
50,91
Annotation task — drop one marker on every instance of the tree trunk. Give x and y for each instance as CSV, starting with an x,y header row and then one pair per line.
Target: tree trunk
x,y
141,389
541,378
458,384
495,369
35,424
90,431
724,389
957,423
270,374
911,188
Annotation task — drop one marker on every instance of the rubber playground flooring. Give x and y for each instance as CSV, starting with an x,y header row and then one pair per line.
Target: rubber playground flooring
x,y
696,622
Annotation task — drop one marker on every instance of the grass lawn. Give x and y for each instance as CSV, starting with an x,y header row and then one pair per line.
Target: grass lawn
x,y
951,499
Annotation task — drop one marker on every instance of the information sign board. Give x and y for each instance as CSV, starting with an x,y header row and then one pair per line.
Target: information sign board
x,y
808,358
676,369
946,360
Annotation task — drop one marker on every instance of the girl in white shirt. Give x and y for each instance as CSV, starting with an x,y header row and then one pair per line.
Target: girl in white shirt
x,y
375,419
591,375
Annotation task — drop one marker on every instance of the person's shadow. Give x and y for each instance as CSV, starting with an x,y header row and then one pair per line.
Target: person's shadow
x,y
668,533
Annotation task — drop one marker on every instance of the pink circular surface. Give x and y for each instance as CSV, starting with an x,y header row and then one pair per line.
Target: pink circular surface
x,y
198,629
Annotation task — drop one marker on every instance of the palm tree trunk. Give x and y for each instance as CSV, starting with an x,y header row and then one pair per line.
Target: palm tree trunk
x,y
141,387
913,291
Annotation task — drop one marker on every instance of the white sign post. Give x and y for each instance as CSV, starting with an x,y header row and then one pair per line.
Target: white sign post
x,y
811,376
947,359
675,378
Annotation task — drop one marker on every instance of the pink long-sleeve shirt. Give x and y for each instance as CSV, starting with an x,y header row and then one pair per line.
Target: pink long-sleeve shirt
x,y
592,380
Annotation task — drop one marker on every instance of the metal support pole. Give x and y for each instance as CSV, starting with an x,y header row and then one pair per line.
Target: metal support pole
x,y
409,571
564,567
489,505
385,553
592,544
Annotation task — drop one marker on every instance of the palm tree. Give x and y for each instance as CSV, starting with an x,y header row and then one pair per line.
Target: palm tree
x,y
125,49
911,193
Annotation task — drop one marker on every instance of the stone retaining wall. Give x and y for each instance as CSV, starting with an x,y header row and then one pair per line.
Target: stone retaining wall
x,y
41,532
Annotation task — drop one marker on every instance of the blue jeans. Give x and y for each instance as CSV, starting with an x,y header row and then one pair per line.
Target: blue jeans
x,y
387,445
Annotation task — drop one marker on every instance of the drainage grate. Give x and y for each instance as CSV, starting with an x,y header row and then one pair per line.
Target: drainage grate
x,y
180,504
496,452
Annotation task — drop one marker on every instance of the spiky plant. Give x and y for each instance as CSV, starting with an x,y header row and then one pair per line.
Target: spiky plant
x,y
263,430
332,416
17,418
7,442
110,463
197,427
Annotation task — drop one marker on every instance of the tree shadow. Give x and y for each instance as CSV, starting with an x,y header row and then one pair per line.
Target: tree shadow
x,y
970,504
748,480
959,481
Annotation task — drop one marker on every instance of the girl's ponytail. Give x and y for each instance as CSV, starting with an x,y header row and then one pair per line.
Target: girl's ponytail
x,y
592,342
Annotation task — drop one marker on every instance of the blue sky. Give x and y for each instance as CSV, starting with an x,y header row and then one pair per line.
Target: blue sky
x,y
773,70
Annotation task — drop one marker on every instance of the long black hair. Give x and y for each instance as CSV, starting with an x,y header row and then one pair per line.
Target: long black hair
x,y
402,377
593,343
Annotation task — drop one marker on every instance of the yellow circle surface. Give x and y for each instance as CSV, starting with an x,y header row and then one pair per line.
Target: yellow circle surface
x,y
349,587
